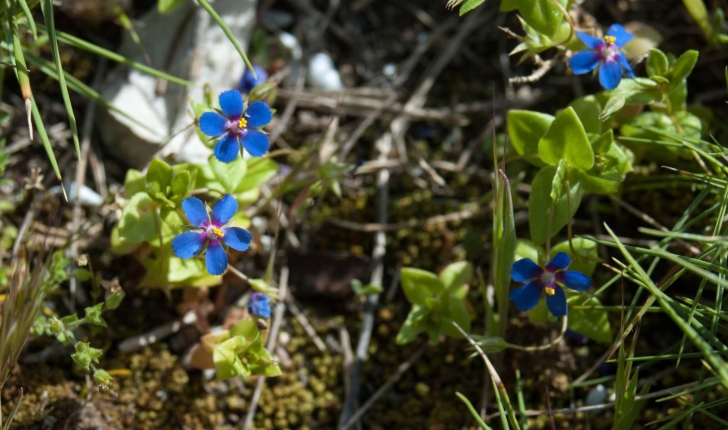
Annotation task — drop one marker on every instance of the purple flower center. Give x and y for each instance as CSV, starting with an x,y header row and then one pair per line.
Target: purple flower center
x,y
607,50
548,278
237,126
213,233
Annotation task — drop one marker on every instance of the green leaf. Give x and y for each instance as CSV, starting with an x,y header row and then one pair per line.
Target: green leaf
x,y
508,5
638,91
657,64
592,323
102,377
566,139
469,5
114,300
538,314
539,205
682,68
558,182
93,315
420,285
584,257
180,186
542,15
259,171
167,6
457,311
85,355
490,344
230,175
159,177
525,129
588,109
247,328
699,12
691,125
361,290
611,164
227,362
456,275
82,275
134,182
527,249
137,222
413,325
262,286
678,96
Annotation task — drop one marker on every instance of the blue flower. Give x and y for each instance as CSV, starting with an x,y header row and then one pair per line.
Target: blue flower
x,y
259,304
549,280
248,81
235,127
606,54
213,231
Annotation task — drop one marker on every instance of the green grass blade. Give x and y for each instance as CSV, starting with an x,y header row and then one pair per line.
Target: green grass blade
x,y
31,22
504,246
113,56
47,143
12,37
501,409
225,29
521,401
83,89
473,412
719,366
47,7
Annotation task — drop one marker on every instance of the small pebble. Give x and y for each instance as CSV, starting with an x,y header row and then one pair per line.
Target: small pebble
x,y
596,396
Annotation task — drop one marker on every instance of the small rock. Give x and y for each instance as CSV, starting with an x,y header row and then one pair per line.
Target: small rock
x,y
190,45
87,196
596,396
322,73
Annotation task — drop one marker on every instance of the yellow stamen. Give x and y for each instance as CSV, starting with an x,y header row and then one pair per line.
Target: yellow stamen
x,y
550,291
217,232
243,123
610,40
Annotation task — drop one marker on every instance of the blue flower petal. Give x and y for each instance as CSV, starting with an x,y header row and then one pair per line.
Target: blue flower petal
x,y
216,258
621,36
195,211
258,114
189,244
212,123
227,149
259,304
557,302
237,238
584,62
526,297
524,270
589,40
624,64
224,209
231,103
560,262
574,280
248,81
255,142
610,74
